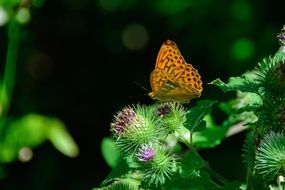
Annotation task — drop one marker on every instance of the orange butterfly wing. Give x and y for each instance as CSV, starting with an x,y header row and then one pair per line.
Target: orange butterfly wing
x,y
173,79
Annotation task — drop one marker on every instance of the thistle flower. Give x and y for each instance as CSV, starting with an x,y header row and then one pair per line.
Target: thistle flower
x,y
272,114
156,163
124,118
145,153
270,156
270,76
172,116
249,150
134,126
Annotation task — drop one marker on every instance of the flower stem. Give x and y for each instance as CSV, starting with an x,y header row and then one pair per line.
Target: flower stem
x,y
6,91
215,175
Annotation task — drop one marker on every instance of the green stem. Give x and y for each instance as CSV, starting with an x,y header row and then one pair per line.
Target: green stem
x,y
13,31
185,137
215,175
249,180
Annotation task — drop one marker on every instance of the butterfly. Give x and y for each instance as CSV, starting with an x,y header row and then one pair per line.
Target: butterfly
x,y
173,79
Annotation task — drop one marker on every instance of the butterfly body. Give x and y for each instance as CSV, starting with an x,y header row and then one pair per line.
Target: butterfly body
x,y
173,79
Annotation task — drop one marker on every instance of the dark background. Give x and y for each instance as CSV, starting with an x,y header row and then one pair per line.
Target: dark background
x,y
74,64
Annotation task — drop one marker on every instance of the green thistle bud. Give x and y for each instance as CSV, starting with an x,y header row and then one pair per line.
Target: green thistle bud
x,y
270,76
270,156
272,114
135,126
156,164
172,115
249,150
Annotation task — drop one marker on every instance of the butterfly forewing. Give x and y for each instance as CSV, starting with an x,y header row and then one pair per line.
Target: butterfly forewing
x,y
173,79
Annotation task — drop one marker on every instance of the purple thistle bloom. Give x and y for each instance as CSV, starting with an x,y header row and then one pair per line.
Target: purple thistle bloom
x,y
123,119
127,115
146,153
117,128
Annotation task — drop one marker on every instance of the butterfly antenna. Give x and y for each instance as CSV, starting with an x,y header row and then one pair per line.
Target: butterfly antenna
x,y
140,94
147,90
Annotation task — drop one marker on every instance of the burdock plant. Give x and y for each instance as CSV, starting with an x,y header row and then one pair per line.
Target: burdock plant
x,y
264,147
157,146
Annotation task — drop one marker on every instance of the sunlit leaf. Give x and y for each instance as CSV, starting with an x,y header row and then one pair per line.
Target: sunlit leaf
x,y
8,153
237,83
245,101
9,3
29,130
32,130
211,136
61,139
110,152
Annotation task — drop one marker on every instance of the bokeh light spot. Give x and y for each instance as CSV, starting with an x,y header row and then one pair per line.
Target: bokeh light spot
x,y
23,16
25,154
135,37
241,10
242,49
3,16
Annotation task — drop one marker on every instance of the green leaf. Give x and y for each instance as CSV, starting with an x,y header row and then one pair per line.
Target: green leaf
x,y
196,114
214,134
245,101
191,165
211,136
61,139
193,176
9,3
110,152
8,153
27,131
32,130
120,170
243,83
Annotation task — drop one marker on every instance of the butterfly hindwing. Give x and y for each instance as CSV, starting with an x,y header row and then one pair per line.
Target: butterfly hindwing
x,y
173,79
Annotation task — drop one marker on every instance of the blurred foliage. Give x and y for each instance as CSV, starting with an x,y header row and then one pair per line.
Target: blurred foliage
x,y
110,152
18,136
68,46
31,131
